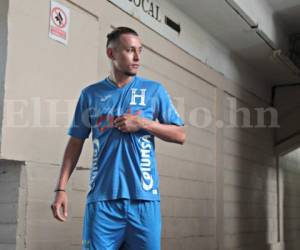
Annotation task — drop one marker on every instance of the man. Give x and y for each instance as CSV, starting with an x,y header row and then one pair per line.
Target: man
x,y
124,112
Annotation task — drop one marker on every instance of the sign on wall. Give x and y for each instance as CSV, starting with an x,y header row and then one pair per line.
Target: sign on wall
x,y
59,21
153,13
151,8
148,11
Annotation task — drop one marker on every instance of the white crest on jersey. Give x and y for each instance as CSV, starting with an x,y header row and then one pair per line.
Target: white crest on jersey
x,y
138,94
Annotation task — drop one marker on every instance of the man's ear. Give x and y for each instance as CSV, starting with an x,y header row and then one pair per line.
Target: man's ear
x,y
109,53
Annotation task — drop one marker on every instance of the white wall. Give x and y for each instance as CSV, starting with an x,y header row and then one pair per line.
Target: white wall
x,y
250,182
290,202
3,49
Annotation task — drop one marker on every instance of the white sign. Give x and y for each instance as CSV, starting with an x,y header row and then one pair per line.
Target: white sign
x,y
59,22
148,11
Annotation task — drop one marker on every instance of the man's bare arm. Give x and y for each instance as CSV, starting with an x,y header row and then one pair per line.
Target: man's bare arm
x,y
166,132
70,159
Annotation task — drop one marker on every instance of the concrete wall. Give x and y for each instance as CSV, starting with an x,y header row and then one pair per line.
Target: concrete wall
x,y
290,202
3,50
250,180
12,205
203,184
287,103
42,231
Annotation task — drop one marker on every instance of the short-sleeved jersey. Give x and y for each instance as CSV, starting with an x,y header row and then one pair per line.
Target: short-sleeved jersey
x,y
124,164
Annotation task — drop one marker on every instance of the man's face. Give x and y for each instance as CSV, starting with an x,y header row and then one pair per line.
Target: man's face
x,y
126,54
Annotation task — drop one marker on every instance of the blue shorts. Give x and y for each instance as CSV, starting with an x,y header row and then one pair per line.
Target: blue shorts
x,y
122,224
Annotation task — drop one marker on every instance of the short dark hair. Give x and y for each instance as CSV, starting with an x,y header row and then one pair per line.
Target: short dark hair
x,y
117,32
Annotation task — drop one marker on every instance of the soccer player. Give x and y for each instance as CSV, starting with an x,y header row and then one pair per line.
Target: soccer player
x,y
124,112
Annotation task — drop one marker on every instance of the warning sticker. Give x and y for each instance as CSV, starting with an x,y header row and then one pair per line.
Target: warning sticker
x,y
59,22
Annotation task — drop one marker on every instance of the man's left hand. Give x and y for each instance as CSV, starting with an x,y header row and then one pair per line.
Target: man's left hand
x,y
128,123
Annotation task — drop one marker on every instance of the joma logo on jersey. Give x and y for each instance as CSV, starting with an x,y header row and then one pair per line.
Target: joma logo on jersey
x,y
138,95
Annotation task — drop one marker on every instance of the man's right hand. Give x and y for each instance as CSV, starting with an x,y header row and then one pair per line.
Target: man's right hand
x,y
60,204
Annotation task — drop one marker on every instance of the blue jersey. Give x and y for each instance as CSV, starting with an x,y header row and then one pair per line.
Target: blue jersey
x,y
124,164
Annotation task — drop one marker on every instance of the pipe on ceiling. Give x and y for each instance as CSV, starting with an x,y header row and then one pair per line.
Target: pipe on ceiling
x,y
277,52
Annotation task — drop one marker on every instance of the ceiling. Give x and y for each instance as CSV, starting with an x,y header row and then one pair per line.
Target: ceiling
x,y
219,19
288,11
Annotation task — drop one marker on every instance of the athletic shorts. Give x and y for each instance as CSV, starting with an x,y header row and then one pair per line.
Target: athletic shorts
x,y
122,224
